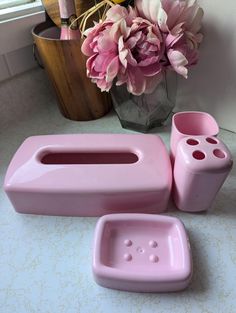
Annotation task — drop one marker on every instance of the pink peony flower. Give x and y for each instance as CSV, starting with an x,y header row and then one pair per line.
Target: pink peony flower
x,y
140,56
180,53
180,21
172,15
103,63
125,48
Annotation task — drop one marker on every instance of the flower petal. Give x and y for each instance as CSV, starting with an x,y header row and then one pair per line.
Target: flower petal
x,y
112,69
116,13
178,62
162,20
151,70
143,8
154,7
136,82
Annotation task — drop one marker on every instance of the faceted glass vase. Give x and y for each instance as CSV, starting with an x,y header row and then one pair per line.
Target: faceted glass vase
x,y
146,111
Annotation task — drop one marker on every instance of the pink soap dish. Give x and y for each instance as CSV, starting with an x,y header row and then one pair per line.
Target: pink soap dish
x,y
141,253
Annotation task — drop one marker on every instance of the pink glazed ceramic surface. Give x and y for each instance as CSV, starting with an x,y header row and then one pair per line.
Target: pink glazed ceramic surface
x,y
191,123
142,253
201,167
89,175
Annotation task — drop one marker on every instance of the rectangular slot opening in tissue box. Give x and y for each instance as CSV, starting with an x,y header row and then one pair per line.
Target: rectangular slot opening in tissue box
x,y
89,158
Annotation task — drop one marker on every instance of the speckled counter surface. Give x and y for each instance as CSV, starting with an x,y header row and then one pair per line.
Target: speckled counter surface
x,y
45,262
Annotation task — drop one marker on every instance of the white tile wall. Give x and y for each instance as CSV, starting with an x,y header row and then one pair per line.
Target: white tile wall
x,y
20,60
16,42
4,71
16,33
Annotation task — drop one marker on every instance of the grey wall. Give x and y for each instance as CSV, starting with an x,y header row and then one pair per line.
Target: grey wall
x,y
211,85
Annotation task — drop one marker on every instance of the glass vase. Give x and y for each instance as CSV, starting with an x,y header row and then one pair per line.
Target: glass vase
x,y
146,111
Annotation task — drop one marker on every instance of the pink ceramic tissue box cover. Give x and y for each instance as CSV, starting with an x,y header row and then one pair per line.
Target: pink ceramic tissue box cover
x,y
89,175
201,166
141,253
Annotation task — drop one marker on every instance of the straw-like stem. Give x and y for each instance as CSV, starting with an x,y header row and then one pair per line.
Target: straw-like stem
x,y
96,8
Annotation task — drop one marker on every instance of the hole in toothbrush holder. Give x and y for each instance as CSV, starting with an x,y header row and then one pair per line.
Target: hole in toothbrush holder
x,y
198,155
219,154
192,142
211,140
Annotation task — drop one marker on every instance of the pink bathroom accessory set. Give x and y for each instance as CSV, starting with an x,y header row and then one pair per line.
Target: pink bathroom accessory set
x,y
95,175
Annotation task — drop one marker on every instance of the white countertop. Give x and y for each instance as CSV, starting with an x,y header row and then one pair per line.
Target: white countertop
x,y
45,262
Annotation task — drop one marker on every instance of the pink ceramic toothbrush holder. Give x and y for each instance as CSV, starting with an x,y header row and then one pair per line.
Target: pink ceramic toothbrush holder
x,y
201,166
191,123
89,175
141,253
